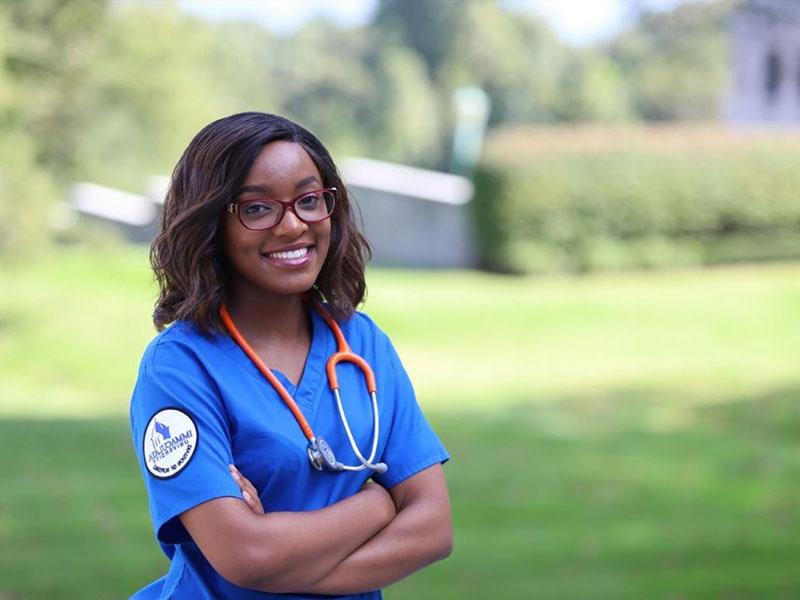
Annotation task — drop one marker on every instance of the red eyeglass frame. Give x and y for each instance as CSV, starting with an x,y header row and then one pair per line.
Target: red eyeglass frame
x,y
234,208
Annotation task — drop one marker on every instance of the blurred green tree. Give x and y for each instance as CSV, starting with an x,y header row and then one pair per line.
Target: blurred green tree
x,y
429,28
44,48
514,58
243,66
675,62
151,87
361,92
409,123
47,56
592,88
325,84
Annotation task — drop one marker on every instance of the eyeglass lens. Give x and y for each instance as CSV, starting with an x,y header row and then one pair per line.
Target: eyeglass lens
x,y
263,214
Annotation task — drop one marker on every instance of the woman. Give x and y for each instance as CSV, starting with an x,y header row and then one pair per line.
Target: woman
x,y
257,248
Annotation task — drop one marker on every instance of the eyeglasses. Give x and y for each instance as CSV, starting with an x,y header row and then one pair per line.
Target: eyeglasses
x,y
310,207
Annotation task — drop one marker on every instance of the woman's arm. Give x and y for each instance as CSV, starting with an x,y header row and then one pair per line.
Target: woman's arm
x,y
285,551
420,534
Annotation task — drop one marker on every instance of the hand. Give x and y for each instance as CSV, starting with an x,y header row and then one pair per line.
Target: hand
x,y
384,500
249,493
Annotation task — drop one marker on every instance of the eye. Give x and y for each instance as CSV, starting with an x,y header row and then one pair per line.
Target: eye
x,y
310,201
257,208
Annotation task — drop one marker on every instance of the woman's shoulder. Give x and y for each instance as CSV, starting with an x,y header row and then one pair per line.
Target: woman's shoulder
x,y
361,324
178,344
175,373
365,335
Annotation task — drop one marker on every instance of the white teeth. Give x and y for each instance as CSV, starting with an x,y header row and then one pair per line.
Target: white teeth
x,y
289,254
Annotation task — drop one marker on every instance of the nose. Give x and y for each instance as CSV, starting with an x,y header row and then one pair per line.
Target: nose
x,y
290,224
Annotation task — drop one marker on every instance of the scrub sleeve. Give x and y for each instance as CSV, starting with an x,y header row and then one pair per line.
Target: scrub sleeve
x,y
412,445
164,392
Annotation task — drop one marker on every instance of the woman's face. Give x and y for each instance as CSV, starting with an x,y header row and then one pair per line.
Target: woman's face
x,y
286,259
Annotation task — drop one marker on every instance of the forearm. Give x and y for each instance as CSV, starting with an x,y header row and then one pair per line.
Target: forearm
x,y
312,543
420,534
285,551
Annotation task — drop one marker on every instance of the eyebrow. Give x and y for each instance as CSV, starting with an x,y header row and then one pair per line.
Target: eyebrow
x,y
265,189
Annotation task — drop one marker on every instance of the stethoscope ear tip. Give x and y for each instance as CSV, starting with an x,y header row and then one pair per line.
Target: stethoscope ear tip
x,y
380,468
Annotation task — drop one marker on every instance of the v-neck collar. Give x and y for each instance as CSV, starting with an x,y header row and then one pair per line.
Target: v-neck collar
x,y
307,389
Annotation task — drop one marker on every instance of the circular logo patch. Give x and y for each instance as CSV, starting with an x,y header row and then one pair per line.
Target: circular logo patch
x,y
170,440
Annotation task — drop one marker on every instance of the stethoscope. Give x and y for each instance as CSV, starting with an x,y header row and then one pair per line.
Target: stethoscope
x,y
319,451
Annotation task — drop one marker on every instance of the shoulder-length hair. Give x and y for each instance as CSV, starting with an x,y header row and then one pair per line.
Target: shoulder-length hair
x,y
188,256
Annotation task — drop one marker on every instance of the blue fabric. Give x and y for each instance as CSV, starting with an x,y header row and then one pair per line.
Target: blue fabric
x,y
240,419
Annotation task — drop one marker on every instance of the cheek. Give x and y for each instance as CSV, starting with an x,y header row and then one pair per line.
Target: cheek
x,y
228,230
325,239
229,243
237,244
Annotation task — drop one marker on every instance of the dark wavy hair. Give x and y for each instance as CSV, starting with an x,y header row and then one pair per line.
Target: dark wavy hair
x,y
188,256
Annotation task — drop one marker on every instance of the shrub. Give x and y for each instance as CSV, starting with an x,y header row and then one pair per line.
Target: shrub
x,y
580,200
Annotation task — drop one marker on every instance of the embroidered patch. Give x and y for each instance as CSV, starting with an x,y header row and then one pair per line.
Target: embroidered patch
x,y
170,440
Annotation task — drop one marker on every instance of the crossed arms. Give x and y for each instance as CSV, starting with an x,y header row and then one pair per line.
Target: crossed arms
x,y
362,543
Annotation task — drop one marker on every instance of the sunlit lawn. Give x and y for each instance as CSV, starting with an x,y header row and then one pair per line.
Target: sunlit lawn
x,y
616,436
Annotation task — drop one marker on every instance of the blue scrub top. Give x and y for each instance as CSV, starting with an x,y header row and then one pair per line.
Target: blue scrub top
x,y
200,404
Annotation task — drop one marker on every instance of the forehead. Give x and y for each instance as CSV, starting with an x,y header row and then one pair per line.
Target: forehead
x,y
281,164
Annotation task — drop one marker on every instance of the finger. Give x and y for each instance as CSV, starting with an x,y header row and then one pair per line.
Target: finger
x,y
237,477
250,501
243,481
249,492
253,503
250,487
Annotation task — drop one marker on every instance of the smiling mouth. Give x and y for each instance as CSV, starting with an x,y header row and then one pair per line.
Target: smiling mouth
x,y
289,254
296,256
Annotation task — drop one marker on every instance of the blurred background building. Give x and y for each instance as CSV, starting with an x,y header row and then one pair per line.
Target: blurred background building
x,y
765,60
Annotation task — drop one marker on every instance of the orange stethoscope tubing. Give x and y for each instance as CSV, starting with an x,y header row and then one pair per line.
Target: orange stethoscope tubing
x,y
319,451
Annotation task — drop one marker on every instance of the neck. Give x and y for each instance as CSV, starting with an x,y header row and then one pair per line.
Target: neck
x,y
260,317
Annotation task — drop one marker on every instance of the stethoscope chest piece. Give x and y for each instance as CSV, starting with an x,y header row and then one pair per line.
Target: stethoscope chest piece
x,y
321,456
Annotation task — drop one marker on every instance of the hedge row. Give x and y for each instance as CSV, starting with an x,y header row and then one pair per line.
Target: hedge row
x,y
637,205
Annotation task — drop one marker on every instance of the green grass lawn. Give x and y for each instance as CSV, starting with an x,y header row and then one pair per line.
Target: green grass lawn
x,y
615,436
